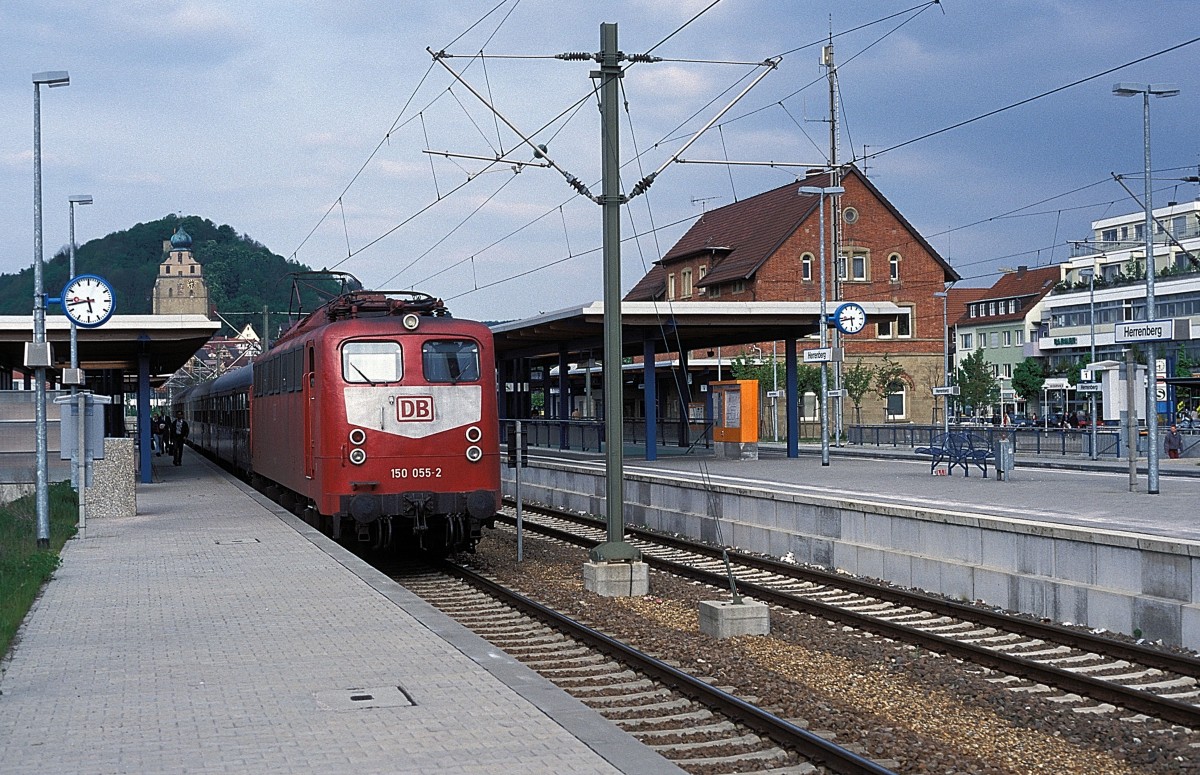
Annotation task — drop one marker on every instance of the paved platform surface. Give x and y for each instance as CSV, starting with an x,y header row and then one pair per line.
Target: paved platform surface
x,y
1058,490
215,633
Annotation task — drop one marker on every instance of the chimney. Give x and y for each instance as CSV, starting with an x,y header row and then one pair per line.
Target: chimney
x,y
1021,270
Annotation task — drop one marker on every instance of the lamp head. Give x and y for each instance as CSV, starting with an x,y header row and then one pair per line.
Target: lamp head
x,y
80,199
52,78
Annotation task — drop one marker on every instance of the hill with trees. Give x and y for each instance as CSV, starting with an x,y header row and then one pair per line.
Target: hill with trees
x,y
243,276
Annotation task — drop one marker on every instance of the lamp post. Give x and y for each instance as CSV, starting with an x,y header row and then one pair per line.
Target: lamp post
x,y
79,469
1089,273
944,296
41,349
821,193
1146,90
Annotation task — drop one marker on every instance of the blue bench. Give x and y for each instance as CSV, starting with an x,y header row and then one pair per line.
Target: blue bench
x,y
958,449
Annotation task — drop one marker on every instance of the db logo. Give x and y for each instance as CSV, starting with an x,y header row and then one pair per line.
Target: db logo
x,y
414,408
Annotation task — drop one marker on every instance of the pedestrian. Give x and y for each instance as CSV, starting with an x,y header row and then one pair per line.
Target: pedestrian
x,y
158,427
179,433
164,433
1173,442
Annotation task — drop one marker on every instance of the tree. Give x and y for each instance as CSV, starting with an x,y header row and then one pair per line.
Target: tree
x,y
977,385
1028,378
857,382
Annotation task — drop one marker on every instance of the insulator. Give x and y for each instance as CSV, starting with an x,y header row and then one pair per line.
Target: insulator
x,y
575,56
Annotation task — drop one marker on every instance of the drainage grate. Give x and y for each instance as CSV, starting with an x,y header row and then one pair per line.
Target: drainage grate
x,y
228,541
365,697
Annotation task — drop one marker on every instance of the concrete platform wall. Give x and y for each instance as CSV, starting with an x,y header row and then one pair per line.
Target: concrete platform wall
x,y
1115,581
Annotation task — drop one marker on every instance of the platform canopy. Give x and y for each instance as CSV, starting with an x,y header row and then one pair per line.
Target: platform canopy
x,y
674,326
168,340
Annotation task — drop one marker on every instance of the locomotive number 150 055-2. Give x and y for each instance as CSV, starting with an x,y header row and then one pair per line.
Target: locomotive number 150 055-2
x,y
416,473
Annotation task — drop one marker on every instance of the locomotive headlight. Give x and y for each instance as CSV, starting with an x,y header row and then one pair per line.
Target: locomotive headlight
x,y
474,454
411,321
358,437
358,456
474,434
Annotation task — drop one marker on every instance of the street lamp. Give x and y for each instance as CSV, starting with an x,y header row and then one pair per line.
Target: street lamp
x,y
823,192
1089,274
1158,90
944,296
39,354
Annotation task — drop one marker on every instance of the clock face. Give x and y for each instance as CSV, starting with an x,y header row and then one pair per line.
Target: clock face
x,y
850,318
88,301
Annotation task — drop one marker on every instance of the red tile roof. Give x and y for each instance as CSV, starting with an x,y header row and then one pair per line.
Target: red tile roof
x,y
1028,285
743,235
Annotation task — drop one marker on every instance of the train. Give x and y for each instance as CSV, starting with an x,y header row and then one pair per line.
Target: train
x,y
373,417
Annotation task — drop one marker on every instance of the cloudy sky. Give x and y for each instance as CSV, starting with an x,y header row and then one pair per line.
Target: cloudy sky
x,y
306,126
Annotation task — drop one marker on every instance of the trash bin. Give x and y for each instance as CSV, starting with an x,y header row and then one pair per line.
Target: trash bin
x,y
1005,452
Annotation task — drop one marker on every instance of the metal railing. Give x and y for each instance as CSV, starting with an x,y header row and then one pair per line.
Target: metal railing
x,y
588,435
1030,441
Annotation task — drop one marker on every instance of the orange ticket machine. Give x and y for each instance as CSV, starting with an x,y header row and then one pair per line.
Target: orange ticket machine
x,y
735,418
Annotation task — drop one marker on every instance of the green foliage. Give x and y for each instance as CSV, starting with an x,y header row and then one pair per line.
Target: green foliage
x,y
1028,378
889,378
243,276
24,567
857,381
977,385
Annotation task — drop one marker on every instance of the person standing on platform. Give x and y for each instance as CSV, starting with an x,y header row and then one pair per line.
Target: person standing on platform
x,y
1173,443
159,428
179,434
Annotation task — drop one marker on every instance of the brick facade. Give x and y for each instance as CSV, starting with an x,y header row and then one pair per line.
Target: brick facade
x,y
767,248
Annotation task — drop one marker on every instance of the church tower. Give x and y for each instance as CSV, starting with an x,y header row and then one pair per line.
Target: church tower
x,y
180,288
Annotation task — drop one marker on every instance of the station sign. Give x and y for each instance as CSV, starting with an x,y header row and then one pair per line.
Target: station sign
x,y
1008,395
823,355
1057,383
1089,387
946,390
1144,331
834,393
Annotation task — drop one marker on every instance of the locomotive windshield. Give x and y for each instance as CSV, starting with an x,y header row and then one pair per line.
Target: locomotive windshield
x,y
372,362
450,360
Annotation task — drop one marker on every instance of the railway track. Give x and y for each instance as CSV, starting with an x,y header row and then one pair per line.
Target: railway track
x,y
698,726
1079,669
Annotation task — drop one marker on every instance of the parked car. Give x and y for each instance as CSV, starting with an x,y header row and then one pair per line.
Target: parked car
x,y
1019,421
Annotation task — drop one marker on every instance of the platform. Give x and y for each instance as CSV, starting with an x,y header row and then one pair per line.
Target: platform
x,y
214,632
1064,539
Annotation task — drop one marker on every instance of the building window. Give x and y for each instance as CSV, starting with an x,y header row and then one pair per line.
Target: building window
x,y
1109,235
192,269
1020,338
1008,338
894,267
714,291
1008,371
841,268
974,310
991,308
168,268
671,286
859,267
806,267
994,339
901,327
685,284
896,405
967,342
739,286
703,270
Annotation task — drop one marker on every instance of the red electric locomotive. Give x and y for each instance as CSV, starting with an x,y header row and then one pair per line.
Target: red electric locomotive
x,y
374,417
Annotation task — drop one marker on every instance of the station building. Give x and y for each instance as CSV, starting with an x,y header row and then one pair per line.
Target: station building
x,y
767,248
